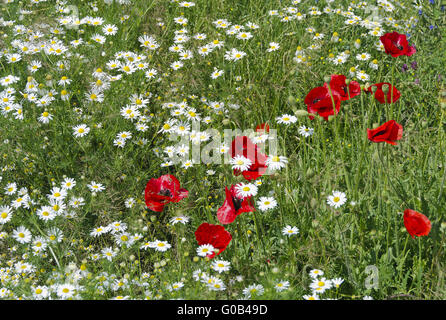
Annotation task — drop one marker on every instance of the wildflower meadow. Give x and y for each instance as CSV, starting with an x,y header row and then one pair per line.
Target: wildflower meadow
x,y
222,150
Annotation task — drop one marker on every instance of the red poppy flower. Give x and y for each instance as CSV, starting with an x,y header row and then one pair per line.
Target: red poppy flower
x,y
389,132
382,97
262,128
233,206
339,86
243,146
319,101
417,224
214,235
396,44
163,190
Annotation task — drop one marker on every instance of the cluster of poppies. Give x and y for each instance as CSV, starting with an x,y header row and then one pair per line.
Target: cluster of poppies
x,y
324,101
165,189
395,44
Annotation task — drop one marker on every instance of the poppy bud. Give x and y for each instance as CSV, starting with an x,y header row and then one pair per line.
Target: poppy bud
x,y
313,203
299,113
385,88
327,79
291,100
226,122
310,173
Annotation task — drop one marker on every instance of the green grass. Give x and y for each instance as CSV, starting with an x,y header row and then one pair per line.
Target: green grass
x,y
348,243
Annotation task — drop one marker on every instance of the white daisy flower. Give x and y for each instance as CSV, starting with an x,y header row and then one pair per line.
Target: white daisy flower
x,y
276,162
336,199
289,230
205,249
240,163
266,203
245,190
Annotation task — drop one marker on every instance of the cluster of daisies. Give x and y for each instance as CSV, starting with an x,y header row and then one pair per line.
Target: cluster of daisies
x,y
289,119
320,285
62,202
